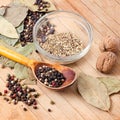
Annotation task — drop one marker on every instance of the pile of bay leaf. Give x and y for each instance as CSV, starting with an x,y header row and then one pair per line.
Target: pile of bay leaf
x,y
97,90
11,25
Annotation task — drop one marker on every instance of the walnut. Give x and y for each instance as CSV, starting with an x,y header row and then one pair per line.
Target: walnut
x,y
106,61
110,43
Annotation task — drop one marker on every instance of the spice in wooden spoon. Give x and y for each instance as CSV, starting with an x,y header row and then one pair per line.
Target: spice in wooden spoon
x,y
67,75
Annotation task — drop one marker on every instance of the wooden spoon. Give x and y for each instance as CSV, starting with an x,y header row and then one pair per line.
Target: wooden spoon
x,y
68,73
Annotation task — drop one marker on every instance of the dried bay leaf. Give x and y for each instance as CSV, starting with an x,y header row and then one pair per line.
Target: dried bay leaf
x,y
112,84
29,82
9,41
20,71
26,50
31,6
7,29
93,91
15,14
20,28
12,41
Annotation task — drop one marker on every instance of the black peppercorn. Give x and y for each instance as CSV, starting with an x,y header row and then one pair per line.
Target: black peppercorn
x,y
0,93
20,93
49,110
49,76
25,109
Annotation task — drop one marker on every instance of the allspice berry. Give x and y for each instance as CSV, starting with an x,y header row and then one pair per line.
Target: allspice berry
x,y
106,61
110,43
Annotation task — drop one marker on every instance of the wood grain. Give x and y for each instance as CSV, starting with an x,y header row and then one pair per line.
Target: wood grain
x,y
104,16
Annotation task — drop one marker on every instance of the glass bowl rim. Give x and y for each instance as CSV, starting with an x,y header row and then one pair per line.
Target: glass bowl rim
x,y
66,58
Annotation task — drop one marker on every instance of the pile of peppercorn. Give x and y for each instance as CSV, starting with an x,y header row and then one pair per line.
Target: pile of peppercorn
x,y
42,4
29,22
45,30
49,76
20,93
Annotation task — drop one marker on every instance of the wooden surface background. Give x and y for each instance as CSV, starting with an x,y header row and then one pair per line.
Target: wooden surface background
x,y
104,16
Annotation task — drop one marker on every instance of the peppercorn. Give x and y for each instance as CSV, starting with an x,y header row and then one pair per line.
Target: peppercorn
x,y
19,92
0,93
35,107
6,99
49,76
52,102
5,91
49,110
3,66
25,109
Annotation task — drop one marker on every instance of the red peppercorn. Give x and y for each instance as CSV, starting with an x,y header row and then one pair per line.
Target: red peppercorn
x,y
53,83
35,103
5,91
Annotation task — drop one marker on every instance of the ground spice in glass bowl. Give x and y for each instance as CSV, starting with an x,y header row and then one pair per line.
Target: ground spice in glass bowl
x,y
62,37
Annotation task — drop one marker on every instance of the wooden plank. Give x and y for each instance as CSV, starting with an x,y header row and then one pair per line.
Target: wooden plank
x,y
69,105
118,1
111,7
4,2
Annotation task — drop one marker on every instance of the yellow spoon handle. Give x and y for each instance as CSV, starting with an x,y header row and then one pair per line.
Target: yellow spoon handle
x,y
14,56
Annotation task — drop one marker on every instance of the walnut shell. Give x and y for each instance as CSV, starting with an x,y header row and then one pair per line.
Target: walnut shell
x,y
110,43
106,61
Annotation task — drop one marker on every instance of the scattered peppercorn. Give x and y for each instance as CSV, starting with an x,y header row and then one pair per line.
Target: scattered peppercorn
x,y
20,93
42,4
52,102
0,93
29,22
25,109
3,66
6,99
35,107
36,95
49,76
49,110
5,91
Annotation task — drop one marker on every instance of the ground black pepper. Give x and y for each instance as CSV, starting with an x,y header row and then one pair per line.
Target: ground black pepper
x,y
62,44
49,76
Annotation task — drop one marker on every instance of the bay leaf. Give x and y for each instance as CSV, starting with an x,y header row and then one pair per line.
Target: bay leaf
x,y
31,6
9,41
26,50
29,82
15,14
13,41
20,28
112,84
7,29
93,91
20,71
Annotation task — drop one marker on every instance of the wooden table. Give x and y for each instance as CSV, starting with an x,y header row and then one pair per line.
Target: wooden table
x,y
104,16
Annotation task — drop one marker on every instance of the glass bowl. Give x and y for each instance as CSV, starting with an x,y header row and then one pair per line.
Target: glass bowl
x,y
63,22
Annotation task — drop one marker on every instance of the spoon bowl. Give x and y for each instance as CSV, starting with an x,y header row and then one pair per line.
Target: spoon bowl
x,y
67,72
